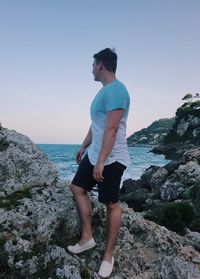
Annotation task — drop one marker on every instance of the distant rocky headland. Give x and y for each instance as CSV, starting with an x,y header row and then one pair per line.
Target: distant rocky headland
x,y
153,134
38,218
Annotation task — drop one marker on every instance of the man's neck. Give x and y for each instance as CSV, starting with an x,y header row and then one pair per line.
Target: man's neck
x,y
108,78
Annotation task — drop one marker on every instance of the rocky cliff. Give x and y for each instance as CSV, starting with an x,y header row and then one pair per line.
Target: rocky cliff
x,y
153,134
38,220
184,134
172,191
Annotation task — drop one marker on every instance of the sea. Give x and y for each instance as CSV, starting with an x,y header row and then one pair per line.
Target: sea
x,y
63,158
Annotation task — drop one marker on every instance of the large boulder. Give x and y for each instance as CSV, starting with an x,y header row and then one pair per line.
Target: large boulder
x,y
22,164
172,189
189,173
154,177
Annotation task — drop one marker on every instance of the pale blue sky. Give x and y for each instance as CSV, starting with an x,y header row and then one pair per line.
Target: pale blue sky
x,y
46,55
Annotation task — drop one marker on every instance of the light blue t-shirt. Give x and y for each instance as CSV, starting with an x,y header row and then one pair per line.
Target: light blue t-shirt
x,y
112,96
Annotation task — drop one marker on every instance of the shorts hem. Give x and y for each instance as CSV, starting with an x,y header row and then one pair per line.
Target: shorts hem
x,y
108,202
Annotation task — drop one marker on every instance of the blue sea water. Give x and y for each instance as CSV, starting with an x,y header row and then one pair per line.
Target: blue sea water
x,y
62,156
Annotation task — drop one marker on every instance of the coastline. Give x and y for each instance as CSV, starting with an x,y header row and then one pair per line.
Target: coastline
x,y
62,156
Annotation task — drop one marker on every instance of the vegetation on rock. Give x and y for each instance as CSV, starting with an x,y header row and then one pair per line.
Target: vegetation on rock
x,y
13,200
174,216
187,119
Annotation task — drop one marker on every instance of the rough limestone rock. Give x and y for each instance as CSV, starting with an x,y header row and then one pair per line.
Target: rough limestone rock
x,y
172,189
157,178
195,196
178,180
192,155
184,134
153,177
192,238
182,127
173,165
22,165
39,220
189,173
194,121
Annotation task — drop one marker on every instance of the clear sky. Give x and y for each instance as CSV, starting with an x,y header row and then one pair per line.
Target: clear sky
x,y
46,56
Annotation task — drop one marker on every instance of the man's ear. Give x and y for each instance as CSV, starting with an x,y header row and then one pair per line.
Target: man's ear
x,y
101,66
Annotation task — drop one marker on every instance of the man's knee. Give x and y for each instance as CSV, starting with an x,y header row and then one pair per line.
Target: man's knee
x,y
113,206
76,190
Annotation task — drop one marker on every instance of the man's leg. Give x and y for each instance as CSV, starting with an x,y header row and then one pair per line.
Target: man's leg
x,y
84,208
113,221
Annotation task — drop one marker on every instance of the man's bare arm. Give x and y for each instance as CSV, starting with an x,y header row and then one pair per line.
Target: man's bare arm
x,y
87,141
109,136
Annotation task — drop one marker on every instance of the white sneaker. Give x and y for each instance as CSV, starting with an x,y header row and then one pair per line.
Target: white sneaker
x,y
106,268
77,248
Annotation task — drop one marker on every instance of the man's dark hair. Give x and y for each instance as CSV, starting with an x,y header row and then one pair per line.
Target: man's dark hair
x,y
108,57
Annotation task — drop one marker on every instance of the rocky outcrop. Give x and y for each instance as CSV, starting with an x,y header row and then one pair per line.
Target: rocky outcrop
x,y
153,134
184,134
38,220
178,181
22,165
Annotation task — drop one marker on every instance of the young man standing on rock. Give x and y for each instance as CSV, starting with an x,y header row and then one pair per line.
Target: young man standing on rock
x,y
106,158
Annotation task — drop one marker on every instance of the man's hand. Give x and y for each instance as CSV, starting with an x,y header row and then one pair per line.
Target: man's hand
x,y
98,172
79,155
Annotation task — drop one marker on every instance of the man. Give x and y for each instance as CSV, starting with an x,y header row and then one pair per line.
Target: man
x,y
106,158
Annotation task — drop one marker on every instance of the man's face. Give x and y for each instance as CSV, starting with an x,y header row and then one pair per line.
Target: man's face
x,y
96,67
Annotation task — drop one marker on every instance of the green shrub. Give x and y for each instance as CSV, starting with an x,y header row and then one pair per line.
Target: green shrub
x,y
195,112
3,144
174,216
187,108
15,198
171,137
85,273
195,104
182,111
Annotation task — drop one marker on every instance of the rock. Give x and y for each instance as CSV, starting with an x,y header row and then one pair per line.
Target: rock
x,y
22,165
195,196
134,193
178,268
194,121
182,127
153,178
173,165
129,185
146,176
136,199
38,222
192,155
150,245
184,133
189,173
136,196
157,179
169,150
171,190
196,133
191,238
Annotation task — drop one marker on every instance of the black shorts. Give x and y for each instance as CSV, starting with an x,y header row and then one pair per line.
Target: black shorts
x,y
108,190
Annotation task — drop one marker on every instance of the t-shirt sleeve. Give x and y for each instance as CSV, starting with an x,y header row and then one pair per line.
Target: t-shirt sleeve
x,y
116,99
